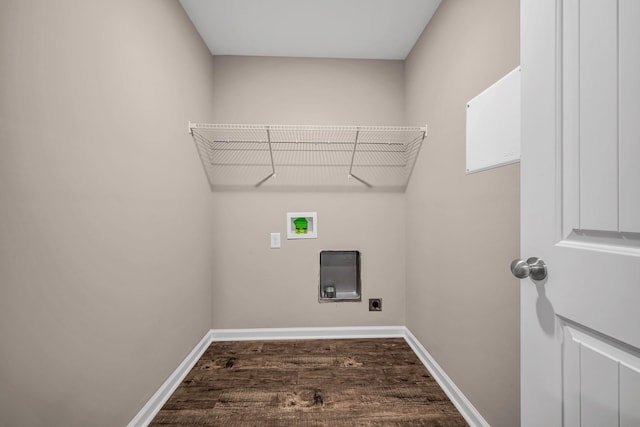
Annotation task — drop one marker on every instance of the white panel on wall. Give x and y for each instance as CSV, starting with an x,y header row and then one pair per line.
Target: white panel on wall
x,y
493,125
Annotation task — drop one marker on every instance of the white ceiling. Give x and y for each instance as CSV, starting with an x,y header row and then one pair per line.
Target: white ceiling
x,y
371,29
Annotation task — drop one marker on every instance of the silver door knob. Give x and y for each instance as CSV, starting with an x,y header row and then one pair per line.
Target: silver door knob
x,y
532,267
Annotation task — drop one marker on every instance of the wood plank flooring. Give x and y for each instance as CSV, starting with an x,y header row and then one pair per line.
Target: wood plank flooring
x,y
343,382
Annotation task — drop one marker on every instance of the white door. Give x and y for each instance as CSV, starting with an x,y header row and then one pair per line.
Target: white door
x,y
581,212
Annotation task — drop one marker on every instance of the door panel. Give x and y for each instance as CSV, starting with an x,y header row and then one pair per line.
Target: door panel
x,y
601,107
598,77
598,389
629,93
601,382
570,119
580,175
598,186
629,392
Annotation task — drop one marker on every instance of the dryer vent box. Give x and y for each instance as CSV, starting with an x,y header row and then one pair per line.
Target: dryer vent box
x,y
340,276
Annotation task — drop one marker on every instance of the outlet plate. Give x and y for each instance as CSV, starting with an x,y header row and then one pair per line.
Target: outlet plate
x,y
375,304
275,241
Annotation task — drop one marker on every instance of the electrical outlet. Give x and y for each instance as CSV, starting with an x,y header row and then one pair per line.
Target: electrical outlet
x,y
275,240
375,304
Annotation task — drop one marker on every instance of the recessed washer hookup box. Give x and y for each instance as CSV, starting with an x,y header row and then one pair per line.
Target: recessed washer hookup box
x,y
340,276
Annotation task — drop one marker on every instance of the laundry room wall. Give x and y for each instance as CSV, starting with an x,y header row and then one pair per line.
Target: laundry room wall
x,y
105,220
255,286
463,230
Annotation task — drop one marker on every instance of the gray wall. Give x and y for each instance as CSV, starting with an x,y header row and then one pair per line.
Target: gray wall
x,y
463,231
256,286
105,271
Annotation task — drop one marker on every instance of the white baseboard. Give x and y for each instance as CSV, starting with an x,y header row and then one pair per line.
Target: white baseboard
x,y
153,406
160,397
468,411
307,333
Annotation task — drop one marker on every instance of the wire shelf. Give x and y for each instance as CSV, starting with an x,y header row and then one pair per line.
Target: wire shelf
x,y
299,157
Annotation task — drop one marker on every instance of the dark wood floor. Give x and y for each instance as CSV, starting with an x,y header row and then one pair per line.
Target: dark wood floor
x,y
346,382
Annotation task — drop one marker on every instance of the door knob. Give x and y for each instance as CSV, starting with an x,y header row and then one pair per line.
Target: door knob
x,y
533,267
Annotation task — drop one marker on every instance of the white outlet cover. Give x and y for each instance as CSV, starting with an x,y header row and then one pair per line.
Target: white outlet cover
x,y
275,241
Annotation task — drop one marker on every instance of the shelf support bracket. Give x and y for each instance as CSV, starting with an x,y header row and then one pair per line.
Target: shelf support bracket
x,y
353,155
273,167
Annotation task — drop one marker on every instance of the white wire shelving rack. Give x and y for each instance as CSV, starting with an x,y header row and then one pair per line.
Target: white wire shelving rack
x,y
245,156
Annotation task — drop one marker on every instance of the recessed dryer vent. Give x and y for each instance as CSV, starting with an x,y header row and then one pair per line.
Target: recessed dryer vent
x,y
340,276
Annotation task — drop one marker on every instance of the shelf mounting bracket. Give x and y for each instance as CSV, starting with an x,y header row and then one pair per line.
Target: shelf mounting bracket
x,y
353,155
273,167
